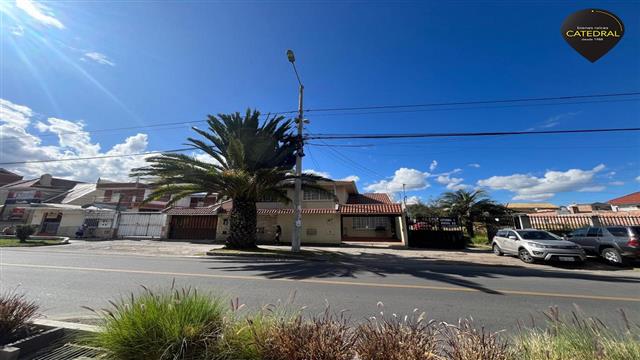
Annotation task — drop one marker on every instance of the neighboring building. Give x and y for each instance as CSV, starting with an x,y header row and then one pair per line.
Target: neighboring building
x,y
7,177
528,208
629,202
128,196
340,214
17,195
589,208
66,220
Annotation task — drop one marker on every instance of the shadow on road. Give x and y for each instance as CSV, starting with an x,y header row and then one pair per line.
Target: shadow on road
x,y
341,265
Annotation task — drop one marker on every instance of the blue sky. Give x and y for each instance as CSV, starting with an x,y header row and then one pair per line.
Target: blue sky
x,y
72,67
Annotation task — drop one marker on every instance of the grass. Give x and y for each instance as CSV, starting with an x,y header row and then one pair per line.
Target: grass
x,y
480,241
578,338
175,324
385,337
16,313
13,242
183,324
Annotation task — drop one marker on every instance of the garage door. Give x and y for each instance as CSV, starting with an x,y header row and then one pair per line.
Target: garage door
x,y
193,227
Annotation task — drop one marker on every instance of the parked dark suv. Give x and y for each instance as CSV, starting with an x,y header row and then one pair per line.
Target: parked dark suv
x,y
613,243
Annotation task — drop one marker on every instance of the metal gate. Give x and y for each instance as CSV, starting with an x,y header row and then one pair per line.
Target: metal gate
x,y
201,227
141,224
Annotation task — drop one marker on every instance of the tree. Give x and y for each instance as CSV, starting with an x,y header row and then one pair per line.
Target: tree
x,y
422,210
23,232
250,161
467,205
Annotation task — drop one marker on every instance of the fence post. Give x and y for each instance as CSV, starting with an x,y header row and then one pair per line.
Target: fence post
x,y
594,221
525,222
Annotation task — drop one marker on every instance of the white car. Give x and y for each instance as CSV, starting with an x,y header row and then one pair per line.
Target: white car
x,y
532,245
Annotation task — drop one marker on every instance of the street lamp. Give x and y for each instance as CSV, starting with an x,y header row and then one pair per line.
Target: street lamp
x,y
297,220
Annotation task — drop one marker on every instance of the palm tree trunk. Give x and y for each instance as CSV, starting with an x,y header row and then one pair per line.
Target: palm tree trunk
x,y
242,223
470,230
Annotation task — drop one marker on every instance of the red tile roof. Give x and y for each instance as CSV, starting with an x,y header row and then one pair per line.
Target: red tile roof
x,y
290,211
630,199
371,209
209,210
370,198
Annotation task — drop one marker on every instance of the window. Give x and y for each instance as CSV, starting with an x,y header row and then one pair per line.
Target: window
x,y
502,233
594,232
513,233
579,232
536,235
371,223
312,231
618,231
315,194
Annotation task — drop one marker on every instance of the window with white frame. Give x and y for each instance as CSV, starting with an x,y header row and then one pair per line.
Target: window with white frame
x,y
315,194
371,223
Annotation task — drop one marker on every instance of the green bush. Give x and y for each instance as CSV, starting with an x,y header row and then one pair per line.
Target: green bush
x,y
23,232
176,324
580,338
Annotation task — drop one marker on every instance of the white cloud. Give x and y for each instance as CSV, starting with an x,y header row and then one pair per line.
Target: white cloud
x,y
39,12
412,200
474,165
553,121
412,179
355,178
617,183
528,187
594,188
17,30
433,165
638,179
19,144
452,183
324,174
99,58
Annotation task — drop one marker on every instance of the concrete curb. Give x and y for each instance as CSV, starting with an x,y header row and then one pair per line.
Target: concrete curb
x,y
69,326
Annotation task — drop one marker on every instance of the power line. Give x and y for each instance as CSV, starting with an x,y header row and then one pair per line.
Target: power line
x,y
477,102
463,134
518,102
355,136
97,157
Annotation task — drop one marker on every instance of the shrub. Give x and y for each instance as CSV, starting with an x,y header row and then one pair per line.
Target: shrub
x,y
23,232
175,324
325,337
16,313
466,342
391,338
580,338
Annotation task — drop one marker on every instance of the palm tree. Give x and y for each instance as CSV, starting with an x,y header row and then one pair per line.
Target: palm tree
x,y
251,161
466,205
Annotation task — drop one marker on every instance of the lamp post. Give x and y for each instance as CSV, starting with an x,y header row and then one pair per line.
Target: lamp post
x,y
297,218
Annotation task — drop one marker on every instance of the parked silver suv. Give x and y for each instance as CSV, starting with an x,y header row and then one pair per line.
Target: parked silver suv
x,y
613,243
532,244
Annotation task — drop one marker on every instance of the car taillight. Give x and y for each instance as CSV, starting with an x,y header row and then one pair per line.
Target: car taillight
x,y
633,242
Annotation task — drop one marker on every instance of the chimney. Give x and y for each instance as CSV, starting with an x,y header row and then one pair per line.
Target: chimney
x,y
45,180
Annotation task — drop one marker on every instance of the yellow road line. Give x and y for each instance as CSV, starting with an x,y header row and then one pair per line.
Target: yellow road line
x,y
328,282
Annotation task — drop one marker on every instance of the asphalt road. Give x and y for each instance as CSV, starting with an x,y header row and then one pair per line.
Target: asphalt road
x,y
63,282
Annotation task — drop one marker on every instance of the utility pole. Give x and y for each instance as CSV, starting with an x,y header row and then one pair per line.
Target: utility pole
x,y
404,195
297,203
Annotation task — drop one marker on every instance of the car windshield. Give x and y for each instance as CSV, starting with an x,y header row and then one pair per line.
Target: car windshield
x,y
536,235
636,230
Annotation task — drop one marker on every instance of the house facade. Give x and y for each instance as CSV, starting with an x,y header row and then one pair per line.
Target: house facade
x,y
531,208
629,202
339,214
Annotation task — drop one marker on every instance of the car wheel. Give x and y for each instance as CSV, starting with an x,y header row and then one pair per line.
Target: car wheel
x,y
496,250
612,256
524,255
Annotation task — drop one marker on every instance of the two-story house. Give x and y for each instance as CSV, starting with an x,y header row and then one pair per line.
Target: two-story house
x,y
339,214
